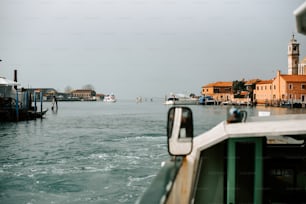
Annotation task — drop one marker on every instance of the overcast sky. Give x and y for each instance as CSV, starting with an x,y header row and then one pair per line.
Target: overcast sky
x,y
144,47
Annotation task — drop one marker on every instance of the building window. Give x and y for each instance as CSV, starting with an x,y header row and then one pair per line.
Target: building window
x,y
216,90
303,86
303,98
274,87
290,86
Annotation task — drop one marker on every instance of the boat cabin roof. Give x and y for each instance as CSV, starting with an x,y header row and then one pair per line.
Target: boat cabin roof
x,y
282,128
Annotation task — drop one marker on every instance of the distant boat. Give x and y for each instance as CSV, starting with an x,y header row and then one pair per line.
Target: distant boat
x,y
139,99
207,100
111,98
180,99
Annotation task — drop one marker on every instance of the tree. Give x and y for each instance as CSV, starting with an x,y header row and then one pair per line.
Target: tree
x,y
238,86
88,87
68,89
192,95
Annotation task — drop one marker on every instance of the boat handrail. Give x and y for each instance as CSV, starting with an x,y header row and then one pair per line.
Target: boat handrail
x,y
160,187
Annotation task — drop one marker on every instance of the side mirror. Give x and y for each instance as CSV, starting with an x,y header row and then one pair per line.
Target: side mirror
x,y
180,131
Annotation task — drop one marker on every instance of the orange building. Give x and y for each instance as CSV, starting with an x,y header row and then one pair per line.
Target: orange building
x,y
220,91
263,92
285,88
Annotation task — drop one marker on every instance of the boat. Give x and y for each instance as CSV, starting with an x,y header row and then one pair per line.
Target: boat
x,y
240,160
110,98
207,100
16,103
180,99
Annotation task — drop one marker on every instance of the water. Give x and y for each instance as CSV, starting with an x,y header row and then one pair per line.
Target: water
x,y
91,152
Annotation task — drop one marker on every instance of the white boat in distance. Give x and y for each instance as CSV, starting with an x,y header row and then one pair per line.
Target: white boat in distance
x,y
180,99
111,98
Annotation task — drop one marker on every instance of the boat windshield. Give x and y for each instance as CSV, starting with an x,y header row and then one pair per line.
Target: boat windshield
x,y
252,170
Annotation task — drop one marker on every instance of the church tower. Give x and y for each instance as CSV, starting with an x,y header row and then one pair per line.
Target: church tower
x,y
293,56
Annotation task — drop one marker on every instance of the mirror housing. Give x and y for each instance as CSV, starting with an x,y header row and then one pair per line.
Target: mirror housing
x,y
180,131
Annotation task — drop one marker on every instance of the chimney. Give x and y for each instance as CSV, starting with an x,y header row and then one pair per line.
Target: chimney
x,y
15,78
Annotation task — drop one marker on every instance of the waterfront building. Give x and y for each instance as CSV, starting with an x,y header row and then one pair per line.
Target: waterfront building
x,y
221,91
85,94
263,91
285,88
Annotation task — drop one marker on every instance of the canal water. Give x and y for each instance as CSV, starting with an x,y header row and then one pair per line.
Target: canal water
x,y
92,152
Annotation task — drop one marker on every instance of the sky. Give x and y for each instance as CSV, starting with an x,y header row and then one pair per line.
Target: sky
x,y
146,48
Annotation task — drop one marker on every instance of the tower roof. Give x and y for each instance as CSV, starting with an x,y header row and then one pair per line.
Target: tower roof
x,y
293,40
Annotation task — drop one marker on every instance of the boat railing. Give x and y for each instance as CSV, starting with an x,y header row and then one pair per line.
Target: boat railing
x,y
160,187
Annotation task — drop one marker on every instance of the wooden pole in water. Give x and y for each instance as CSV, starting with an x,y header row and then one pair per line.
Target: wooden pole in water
x,y
35,107
26,94
17,111
41,103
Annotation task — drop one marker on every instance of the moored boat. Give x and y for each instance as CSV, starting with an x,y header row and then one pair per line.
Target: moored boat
x,y
241,160
207,100
16,103
180,99
111,98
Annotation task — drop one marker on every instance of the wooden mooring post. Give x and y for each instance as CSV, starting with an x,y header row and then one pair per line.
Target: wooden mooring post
x,y
17,107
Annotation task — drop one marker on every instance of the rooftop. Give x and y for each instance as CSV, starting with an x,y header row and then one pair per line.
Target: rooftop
x,y
220,84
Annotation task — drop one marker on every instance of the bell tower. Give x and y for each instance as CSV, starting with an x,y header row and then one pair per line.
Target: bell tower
x,y
293,56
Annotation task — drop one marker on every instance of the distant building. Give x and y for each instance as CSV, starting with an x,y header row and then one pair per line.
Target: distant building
x,y
285,88
220,91
302,67
85,94
293,56
263,92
